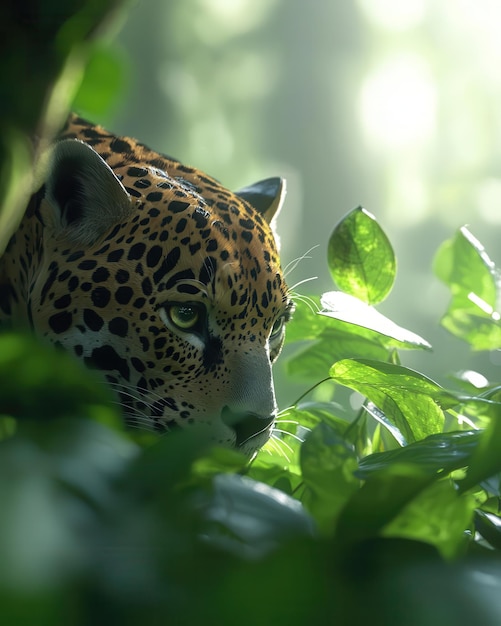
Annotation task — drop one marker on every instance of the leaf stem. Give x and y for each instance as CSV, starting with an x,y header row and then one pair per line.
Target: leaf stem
x,y
324,380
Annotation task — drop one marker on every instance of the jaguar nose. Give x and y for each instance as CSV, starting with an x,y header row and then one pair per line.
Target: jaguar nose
x,y
246,425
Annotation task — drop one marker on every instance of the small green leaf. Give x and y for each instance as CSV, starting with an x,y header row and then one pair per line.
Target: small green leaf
x,y
350,310
361,258
407,398
328,464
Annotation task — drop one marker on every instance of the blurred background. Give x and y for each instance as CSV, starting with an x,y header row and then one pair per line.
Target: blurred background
x,y
391,105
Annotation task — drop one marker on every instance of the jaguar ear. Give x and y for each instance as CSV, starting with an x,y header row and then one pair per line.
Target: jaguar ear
x,y
266,196
85,196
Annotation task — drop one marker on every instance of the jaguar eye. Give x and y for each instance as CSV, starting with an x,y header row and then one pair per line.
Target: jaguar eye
x,y
183,316
277,327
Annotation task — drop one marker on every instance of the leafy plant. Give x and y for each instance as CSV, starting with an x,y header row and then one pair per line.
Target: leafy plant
x,y
343,512
431,447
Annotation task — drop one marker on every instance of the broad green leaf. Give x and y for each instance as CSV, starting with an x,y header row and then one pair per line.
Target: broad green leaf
x,y
380,500
443,452
360,257
348,309
346,328
328,464
438,515
406,397
463,264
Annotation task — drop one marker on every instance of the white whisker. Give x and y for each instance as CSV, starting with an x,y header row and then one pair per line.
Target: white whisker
x,y
292,265
286,432
310,303
279,447
301,282
129,391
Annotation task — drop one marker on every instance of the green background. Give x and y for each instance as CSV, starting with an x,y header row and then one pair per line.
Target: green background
x,y
388,105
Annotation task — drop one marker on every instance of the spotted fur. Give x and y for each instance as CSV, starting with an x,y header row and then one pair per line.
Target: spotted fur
x,y
156,274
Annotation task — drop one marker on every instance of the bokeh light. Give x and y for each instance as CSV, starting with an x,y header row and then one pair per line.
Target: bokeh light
x,y
398,103
394,14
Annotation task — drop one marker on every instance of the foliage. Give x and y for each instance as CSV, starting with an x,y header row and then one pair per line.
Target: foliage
x,y
346,516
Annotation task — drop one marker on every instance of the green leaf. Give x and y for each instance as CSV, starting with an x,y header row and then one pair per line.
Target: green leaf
x,y
480,331
437,515
218,461
380,500
407,398
251,518
443,452
346,327
463,264
328,464
310,414
313,362
273,469
350,310
360,257
486,459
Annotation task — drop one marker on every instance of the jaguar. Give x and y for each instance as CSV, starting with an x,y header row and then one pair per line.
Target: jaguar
x,y
154,273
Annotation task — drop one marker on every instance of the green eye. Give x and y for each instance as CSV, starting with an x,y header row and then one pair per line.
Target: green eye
x,y
277,327
184,316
